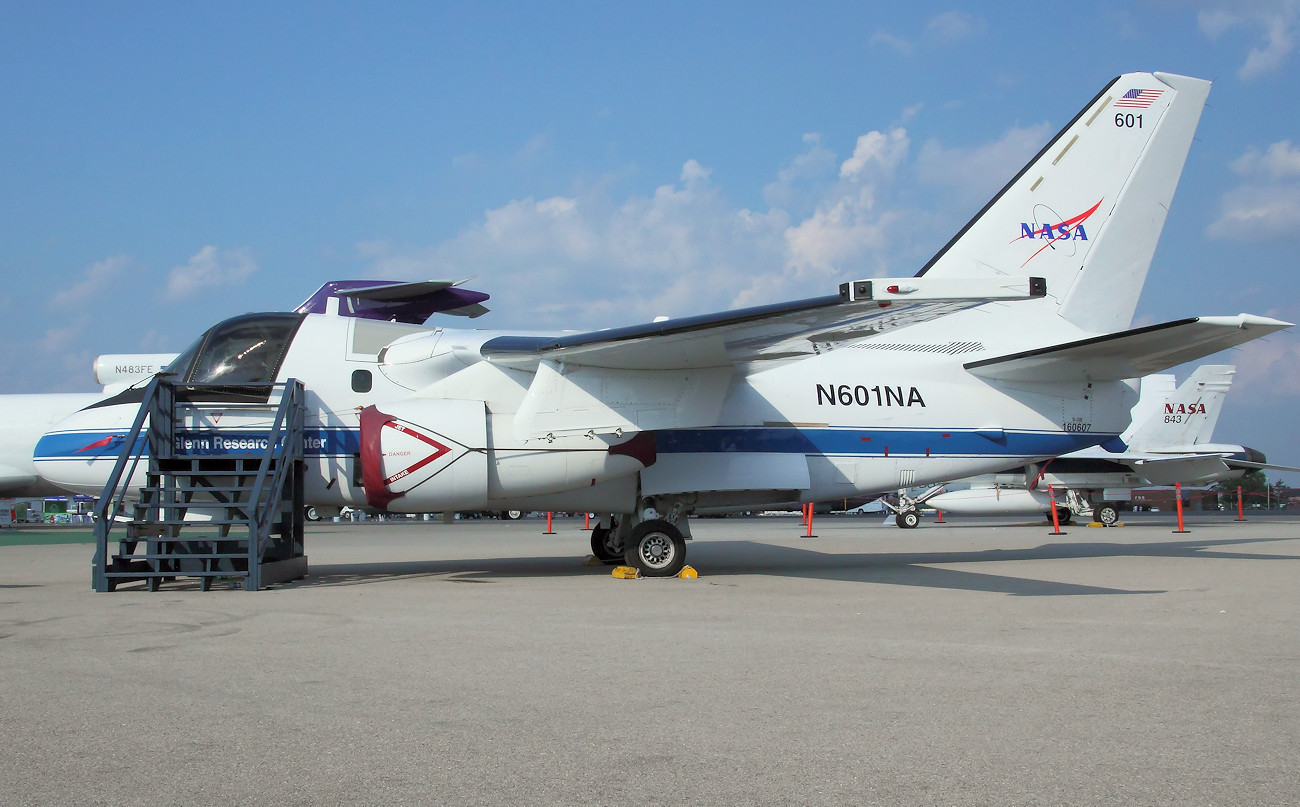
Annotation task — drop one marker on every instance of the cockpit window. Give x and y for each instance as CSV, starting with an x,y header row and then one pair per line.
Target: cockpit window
x,y
241,350
180,366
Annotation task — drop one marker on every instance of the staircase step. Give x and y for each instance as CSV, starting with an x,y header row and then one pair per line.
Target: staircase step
x,y
142,575
249,474
238,554
222,487
228,462
207,522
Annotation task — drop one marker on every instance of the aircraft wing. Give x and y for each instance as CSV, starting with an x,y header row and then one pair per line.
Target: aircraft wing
x,y
1128,354
779,332
1165,469
1258,466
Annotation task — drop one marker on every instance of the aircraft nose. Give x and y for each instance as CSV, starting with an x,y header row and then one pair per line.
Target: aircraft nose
x,y
79,451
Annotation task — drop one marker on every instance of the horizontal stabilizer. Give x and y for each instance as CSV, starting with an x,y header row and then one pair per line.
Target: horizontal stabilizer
x,y
1128,354
1259,466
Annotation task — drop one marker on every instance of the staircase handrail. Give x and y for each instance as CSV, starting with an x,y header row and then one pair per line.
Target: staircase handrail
x,y
114,493
289,423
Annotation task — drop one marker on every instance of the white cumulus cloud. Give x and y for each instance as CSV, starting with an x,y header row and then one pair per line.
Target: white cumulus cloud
x,y
1274,20
595,258
1278,161
876,149
979,171
98,278
889,40
1266,205
209,268
953,25
681,249
799,183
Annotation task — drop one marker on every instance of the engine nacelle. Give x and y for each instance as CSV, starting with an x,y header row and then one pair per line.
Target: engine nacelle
x,y
115,368
424,455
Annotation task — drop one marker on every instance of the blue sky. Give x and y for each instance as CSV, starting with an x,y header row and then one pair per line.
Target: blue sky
x,y
163,166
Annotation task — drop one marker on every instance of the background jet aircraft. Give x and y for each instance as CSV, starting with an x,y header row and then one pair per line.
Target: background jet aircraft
x,y
1008,347
23,419
1170,440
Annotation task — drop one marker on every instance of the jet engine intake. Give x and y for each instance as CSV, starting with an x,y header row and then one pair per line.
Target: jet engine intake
x,y
424,455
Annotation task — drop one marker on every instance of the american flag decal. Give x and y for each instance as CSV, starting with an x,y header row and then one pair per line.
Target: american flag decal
x,y
1138,99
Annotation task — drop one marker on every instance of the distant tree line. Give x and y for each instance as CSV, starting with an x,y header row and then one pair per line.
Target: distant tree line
x,y
1256,490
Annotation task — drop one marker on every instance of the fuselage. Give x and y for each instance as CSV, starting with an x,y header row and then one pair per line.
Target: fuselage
x,y
868,417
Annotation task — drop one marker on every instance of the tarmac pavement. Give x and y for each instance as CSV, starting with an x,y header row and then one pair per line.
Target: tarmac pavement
x,y
480,663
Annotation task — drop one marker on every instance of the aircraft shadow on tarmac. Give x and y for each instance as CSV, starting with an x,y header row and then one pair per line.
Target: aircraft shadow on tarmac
x,y
721,559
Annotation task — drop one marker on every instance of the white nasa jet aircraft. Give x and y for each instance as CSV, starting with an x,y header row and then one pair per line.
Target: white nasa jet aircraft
x,y
24,418
1008,347
1169,441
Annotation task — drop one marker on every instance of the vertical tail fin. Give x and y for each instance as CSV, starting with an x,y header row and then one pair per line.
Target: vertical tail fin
x,y
1184,417
1086,213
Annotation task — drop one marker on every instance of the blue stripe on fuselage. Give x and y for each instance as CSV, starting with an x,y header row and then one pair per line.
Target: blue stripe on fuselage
x,y
75,445
341,441
871,442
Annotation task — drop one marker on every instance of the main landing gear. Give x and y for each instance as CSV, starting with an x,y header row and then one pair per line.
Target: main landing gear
x,y
1106,513
1063,516
607,544
656,546
907,513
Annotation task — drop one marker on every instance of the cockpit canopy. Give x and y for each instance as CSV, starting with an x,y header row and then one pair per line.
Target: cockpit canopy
x,y
248,349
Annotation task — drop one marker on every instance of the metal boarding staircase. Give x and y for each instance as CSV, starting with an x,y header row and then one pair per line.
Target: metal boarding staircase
x,y
206,514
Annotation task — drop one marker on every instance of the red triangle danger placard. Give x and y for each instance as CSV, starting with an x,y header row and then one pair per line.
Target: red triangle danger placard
x,y
398,455
406,449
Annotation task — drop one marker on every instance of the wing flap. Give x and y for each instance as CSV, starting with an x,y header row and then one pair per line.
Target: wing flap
x,y
1128,354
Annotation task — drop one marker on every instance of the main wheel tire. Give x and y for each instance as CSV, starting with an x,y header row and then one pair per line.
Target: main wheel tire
x,y
605,546
656,548
1106,513
511,515
908,519
311,515
1063,515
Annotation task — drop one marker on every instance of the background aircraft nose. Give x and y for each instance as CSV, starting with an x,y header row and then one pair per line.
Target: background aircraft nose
x,y
1250,455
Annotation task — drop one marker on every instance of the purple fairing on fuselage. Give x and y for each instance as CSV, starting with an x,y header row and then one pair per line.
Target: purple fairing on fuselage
x,y
414,306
